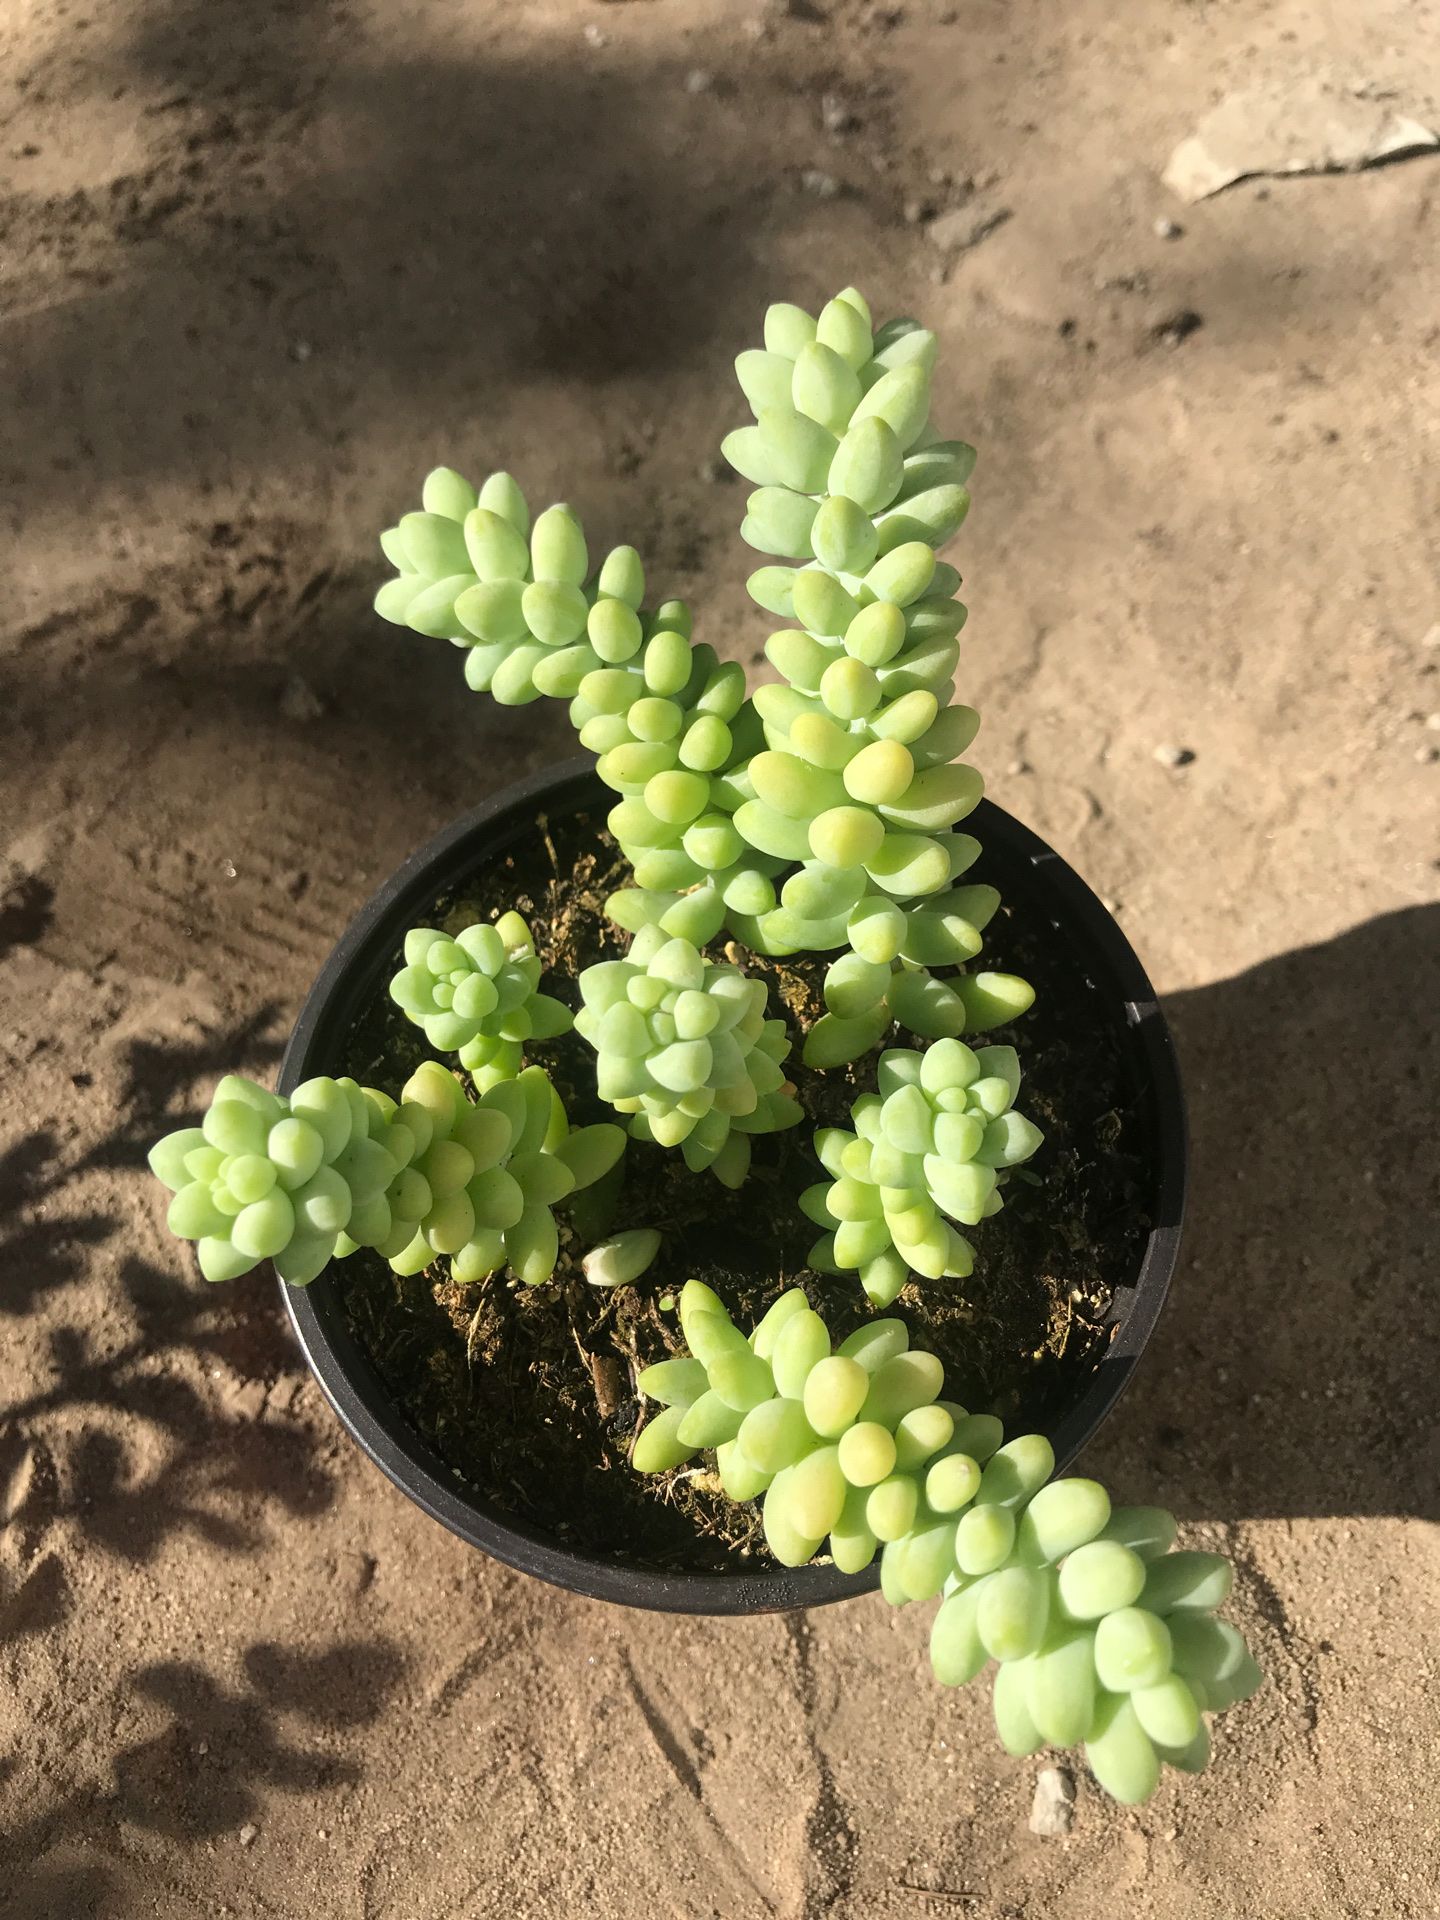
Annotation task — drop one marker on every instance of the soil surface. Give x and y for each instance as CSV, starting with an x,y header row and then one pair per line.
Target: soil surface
x,y
528,1392
263,266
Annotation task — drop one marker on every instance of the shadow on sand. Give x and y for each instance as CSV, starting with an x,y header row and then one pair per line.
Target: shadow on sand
x,y
1293,1372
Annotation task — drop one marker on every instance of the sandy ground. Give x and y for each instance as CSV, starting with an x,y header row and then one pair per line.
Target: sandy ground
x,y
262,266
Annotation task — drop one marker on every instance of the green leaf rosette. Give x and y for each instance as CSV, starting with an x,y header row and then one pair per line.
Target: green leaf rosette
x,y
933,1146
477,993
687,1049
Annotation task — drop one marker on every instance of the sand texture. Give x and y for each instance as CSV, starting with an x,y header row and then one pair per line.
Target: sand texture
x,y
263,265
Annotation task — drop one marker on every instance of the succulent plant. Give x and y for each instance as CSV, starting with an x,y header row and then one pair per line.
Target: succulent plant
x,y
336,1166
667,728
271,1178
933,1145
473,570
820,814
476,993
666,720
685,1047
1103,1636
486,1175
860,782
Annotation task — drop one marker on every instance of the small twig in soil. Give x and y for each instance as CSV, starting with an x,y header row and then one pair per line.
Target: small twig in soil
x,y
543,822
609,1387
474,1328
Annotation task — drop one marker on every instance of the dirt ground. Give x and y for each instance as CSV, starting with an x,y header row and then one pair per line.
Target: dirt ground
x,y
262,266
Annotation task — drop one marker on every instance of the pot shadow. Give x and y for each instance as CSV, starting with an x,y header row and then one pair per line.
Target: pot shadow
x,y
1292,1373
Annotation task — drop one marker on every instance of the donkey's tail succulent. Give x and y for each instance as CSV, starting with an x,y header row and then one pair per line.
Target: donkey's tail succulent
x,y
477,992
1104,1636
310,1178
861,780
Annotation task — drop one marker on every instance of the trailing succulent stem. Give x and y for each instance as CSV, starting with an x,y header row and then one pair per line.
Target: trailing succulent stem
x,y
310,1178
1103,1636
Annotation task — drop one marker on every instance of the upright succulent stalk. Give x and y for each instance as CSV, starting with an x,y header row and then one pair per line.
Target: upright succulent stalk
x,y
1103,1636
935,1144
860,781
668,725
821,812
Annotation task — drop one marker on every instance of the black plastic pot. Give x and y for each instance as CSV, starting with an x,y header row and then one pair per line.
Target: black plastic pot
x,y
361,965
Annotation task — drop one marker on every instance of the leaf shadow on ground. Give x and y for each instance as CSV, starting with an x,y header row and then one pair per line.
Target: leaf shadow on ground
x,y
115,1444
42,1245
113,1434
359,220
156,1071
287,1725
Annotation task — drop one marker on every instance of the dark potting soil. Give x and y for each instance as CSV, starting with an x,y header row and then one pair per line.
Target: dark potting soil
x,y
528,1392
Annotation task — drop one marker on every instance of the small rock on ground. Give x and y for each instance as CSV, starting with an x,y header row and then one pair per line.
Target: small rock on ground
x,y
965,227
1052,1812
837,115
300,701
1170,756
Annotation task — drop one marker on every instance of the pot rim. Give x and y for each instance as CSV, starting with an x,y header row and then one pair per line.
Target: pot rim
x,y
354,1389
